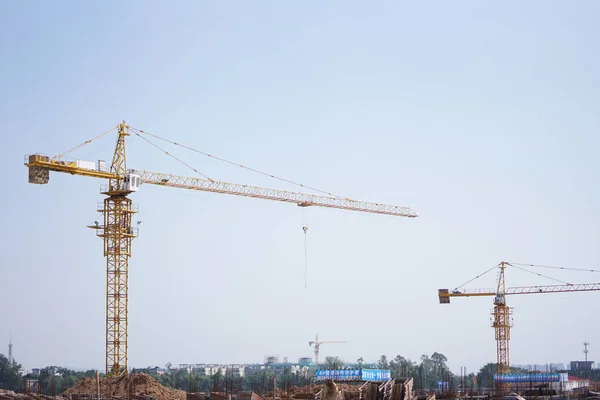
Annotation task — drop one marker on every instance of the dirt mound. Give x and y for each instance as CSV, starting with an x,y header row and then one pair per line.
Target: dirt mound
x,y
139,385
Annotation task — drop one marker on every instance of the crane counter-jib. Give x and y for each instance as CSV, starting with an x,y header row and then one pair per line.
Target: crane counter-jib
x,y
445,294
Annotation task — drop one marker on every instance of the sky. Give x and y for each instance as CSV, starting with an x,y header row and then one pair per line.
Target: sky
x,y
481,116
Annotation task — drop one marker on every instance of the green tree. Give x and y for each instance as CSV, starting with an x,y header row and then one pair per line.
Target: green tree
x,y
260,382
334,362
360,362
402,367
9,373
218,382
440,370
383,362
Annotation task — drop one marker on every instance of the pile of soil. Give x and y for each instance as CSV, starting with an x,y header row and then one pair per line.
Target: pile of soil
x,y
140,385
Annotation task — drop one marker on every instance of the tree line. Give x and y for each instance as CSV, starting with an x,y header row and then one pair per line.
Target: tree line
x,y
52,380
427,372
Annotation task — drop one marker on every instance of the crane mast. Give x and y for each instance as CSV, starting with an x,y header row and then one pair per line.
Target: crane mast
x,y
502,323
117,231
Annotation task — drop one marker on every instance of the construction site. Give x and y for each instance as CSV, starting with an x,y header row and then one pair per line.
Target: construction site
x,y
481,116
117,231
144,387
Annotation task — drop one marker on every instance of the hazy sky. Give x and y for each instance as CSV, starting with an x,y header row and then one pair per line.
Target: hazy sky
x,y
481,116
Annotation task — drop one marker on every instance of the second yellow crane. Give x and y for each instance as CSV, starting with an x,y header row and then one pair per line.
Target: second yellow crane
x,y
501,316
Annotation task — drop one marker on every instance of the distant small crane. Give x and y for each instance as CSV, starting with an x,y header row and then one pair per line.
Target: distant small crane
x,y
318,344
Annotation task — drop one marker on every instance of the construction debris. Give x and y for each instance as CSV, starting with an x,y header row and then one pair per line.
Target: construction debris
x,y
369,391
394,389
425,397
248,396
402,389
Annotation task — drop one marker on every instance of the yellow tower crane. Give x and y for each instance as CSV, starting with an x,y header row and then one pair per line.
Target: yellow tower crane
x,y
117,209
501,315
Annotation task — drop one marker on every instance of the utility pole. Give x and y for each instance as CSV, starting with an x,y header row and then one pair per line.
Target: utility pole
x,y
98,384
53,383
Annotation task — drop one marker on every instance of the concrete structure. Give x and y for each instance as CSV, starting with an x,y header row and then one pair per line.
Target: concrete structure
x,y
236,370
582,365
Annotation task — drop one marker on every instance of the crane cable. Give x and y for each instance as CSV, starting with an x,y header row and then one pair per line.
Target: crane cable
x,y
139,132
478,276
84,143
538,274
305,229
557,267
520,265
172,156
236,164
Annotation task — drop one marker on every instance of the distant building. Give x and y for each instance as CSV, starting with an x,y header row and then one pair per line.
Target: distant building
x,y
305,361
582,365
557,366
203,369
151,370
236,370
271,360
